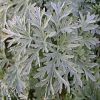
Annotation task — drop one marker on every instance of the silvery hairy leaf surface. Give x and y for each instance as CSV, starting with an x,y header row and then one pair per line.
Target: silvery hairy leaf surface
x,y
56,43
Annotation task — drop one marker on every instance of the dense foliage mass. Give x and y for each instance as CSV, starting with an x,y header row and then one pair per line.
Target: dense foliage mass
x,y
49,50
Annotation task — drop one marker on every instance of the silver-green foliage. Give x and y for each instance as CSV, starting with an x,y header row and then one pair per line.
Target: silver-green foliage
x,y
55,42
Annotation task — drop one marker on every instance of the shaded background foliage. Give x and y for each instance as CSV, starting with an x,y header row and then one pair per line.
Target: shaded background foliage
x,y
14,12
